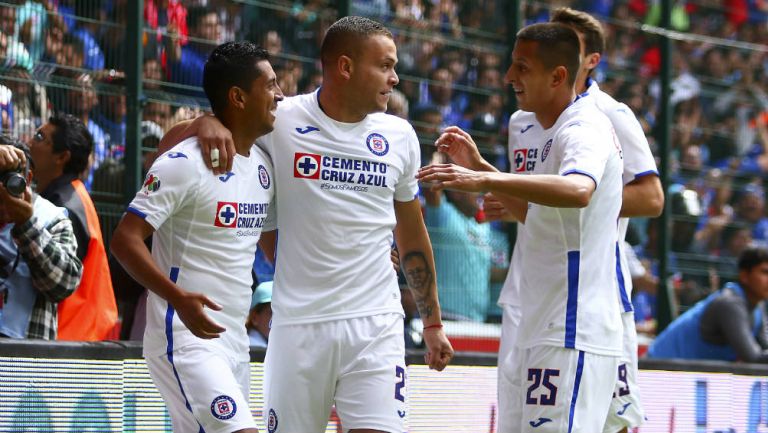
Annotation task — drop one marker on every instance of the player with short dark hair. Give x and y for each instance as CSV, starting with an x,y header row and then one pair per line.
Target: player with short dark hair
x,y
205,231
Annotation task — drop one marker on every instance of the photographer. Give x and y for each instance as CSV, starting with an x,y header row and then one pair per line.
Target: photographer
x,y
38,262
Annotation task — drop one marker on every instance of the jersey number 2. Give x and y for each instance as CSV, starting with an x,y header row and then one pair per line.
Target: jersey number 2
x,y
400,384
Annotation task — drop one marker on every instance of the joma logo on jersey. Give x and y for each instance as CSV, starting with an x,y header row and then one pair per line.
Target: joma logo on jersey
x,y
306,165
525,159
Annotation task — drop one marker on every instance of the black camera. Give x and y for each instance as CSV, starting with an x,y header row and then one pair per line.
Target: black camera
x,y
14,182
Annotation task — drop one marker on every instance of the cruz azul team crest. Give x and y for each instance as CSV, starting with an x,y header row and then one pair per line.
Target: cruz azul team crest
x,y
377,144
223,407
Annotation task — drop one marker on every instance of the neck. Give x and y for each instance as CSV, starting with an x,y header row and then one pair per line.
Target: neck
x,y
242,137
555,108
335,105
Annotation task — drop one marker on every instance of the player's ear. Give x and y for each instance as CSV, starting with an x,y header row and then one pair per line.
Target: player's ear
x,y
559,76
592,61
345,65
236,97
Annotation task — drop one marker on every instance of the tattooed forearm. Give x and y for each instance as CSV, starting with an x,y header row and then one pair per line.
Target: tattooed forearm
x,y
421,280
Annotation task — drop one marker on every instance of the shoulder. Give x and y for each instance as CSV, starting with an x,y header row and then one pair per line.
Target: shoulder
x,y
389,121
522,119
185,154
729,302
290,103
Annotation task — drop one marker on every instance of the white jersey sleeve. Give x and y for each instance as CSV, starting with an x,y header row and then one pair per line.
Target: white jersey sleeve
x,y
582,154
638,159
407,186
171,180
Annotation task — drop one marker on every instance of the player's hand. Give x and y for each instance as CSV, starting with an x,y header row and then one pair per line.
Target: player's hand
x,y
452,176
495,210
439,350
394,255
460,146
216,144
191,310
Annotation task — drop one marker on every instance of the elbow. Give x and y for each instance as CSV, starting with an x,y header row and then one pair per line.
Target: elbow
x,y
581,197
656,204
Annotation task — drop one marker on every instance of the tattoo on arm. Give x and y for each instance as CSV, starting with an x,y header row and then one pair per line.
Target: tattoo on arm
x,y
420,280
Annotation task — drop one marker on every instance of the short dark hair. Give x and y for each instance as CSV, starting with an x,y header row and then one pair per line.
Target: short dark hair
x,y
584,23
558,45
752,257
72,135
344,37
231,64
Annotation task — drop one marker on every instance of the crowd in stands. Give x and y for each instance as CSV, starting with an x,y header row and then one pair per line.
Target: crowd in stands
x,y
69,55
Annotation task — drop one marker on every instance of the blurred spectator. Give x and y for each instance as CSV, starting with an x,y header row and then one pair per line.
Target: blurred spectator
x,y
37,252
28,103
749,209
186,61
729,325
91,18
461,242
260,315
60,151
111,116
428,123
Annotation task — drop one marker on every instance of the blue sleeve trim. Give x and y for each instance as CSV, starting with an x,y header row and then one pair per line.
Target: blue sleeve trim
x,y
576,171
137,212
646,173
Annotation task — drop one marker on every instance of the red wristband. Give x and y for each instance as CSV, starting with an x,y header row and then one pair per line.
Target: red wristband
x,y
438,326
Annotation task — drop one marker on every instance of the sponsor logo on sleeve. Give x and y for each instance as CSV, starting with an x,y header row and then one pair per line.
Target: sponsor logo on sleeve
x,y
151,184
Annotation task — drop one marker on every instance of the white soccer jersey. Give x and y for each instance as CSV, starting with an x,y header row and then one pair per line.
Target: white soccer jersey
x,y
638,162
207,228
568,284
337,183
523,127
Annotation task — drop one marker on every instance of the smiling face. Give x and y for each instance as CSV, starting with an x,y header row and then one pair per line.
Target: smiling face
x,y
373,75
529,78
262,99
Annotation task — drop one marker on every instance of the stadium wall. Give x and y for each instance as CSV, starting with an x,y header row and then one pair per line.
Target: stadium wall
x,y
105,387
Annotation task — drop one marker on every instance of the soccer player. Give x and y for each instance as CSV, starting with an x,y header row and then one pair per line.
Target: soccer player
x,y
642,197
205,231
569,335
345,176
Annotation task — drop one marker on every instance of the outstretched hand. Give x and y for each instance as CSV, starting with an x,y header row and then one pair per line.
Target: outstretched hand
x,y
451,176
191,310
460,146
439,350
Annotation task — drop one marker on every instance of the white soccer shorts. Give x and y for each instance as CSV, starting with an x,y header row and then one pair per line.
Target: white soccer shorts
x,y
509,384
357,363
203,387
565,390
626,410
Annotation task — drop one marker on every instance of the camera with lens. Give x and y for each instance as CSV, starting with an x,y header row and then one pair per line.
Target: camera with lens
x,y
14,181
